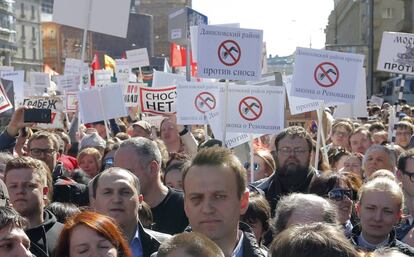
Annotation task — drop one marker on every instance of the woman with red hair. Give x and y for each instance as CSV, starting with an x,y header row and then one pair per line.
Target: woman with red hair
x,y
91,234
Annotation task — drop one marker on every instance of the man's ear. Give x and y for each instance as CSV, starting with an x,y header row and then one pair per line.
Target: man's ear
x,y
358,209
244,202
399,175
154,167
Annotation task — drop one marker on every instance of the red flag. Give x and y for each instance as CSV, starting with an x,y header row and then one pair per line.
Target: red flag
x,y
178,58
95,66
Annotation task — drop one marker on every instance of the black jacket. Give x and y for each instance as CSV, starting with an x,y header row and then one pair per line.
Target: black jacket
x,y
250,246
150,240
393,242
44,237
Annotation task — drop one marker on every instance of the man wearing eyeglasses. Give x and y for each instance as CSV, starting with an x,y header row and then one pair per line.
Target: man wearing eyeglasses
x,y
294,172
405,175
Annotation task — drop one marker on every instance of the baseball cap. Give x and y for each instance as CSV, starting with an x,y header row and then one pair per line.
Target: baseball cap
x,y
143,124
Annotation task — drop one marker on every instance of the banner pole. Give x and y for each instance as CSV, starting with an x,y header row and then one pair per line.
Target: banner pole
x,y
226,97
251,158
318,139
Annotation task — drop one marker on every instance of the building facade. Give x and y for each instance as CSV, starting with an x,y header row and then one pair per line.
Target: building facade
x,y
29,55
7,31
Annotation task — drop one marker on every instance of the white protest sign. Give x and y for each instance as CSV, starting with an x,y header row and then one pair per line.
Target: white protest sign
x,y
377,100
396,53
194,100
39,79
122,71
229,53
5,103
165,79
154,120
299,105
68,83
131,93
86,77
158,100
137,58
71,102
96,12
359,107
102,77
6,69
72,66
255,109
18,83
53,103
326,75
101,104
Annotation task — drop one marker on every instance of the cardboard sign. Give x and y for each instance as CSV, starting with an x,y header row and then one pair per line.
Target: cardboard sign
x,y
377,100
53,103
102,77
326,75
101,104
158,100
67,83
94,15
194,100
71,102
397,53
137,58
122,71
229,53
131,94
5,103
299,105
18,83
39,80
255,109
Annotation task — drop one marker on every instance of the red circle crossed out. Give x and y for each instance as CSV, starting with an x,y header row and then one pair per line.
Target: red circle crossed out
x,y
326,74
251,105
229,52
202,104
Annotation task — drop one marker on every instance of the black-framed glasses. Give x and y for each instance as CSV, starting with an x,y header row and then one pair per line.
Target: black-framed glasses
x,y
40,151
409,174
256,166
339,194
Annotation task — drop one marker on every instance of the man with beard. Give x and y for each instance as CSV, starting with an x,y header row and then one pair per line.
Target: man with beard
x,y
293,170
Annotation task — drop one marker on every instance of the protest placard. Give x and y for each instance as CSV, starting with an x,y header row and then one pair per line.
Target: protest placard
x,y
131,93
101,104
397,53
122,71
154,120
72,66
137,58
158,100
194,100
255,109
299,105
229,53
165,79
5,103
6,69
39,80
103,77
326,75
377,100
55,104
18,83
67,83
71,102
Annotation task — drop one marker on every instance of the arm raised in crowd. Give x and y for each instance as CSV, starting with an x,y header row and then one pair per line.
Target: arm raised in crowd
x,y
9,135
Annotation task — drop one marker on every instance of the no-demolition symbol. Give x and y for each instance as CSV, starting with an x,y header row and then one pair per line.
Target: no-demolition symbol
x,y
205,102
229,53
326,74
250,108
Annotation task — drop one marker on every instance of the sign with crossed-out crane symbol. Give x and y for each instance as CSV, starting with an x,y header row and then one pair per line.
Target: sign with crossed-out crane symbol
x,y
250,108
229,52
326,74
205,102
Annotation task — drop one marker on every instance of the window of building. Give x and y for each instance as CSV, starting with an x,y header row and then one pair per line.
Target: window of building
x,y
33,33
34,53
387,13
23,32
22,10
52,52
24,52
33,13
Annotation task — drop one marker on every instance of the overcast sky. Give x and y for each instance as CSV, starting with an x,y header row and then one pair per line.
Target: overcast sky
x,y
286,23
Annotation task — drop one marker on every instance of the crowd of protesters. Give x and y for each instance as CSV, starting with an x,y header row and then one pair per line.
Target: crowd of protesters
x,y
134,190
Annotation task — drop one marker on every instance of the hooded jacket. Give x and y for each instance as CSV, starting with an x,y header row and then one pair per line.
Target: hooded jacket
x,y
44,237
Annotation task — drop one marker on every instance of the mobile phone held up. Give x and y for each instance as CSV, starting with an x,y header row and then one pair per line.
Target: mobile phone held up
x,y
38,115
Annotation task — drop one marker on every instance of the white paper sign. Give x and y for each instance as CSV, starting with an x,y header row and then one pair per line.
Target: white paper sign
x,y
39,79
194,100
158,100
137,58
100,14
72,66
122,71
131,93
67,83
326,75
396,53
165,79
154,120
18,83
377,100
101,104
229,53
255,109
71,102
103,77
53,103
6,69
5,103
299,105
